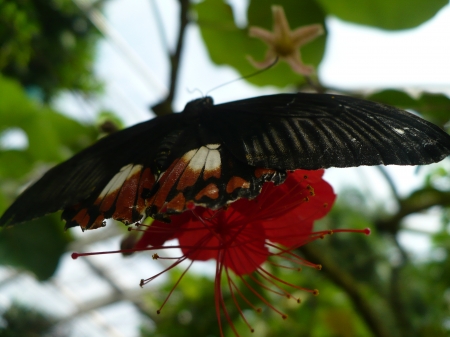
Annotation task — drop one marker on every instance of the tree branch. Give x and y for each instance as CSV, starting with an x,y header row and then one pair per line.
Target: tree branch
x,y
397,305
416,202
351,287
165,107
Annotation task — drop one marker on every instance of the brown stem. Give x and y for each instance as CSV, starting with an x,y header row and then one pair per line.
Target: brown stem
x,y
165,107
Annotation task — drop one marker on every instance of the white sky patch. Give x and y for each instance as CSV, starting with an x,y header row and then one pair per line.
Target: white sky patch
x,y
415,237
428,222
13,139
359,57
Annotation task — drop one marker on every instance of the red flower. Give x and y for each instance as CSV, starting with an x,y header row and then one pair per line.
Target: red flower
x,y
237,237
247,234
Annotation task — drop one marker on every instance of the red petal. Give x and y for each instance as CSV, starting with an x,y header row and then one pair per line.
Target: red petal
x,y
239,247
293,228
159,232
236,237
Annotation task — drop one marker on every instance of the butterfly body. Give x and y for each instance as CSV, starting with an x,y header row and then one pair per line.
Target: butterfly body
x,y
211,155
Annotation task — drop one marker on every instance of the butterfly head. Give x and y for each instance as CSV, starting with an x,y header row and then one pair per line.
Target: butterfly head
x,y
196,106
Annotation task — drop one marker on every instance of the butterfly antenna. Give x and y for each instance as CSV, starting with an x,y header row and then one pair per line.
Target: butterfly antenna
x,y
191,91
244,77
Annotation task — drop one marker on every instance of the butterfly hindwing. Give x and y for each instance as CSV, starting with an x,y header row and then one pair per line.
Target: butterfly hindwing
x,y
208,176
78,182
121,199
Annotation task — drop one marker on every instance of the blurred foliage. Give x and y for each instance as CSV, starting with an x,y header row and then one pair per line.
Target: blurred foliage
x,y
47,45
385,14
20,321
176,316
369,286
49,138
18,246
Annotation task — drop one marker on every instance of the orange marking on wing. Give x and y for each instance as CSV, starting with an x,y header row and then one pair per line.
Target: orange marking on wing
x,y
210,191
146,182
82,218
169,178
259,172
127,198
236,182
188,178
99,222
177,204
107,202
212,173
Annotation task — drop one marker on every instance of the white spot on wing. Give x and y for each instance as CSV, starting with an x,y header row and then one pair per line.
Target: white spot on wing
x,y
186,158
212,161
399,131
213,146
188,155
136,169
116,182
198,161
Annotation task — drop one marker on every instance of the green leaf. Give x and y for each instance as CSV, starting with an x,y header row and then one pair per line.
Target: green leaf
x,y
434,107
393,97
48,46
386,14
108,121
228,44
49,133
35,246
14,164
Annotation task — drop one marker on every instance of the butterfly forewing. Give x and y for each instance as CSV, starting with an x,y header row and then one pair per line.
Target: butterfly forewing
x,y
312,131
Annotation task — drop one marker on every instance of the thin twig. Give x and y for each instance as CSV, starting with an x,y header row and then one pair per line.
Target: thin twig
x,y
390,181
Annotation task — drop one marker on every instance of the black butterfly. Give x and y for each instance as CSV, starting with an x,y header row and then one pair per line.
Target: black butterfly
x,y
211,155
